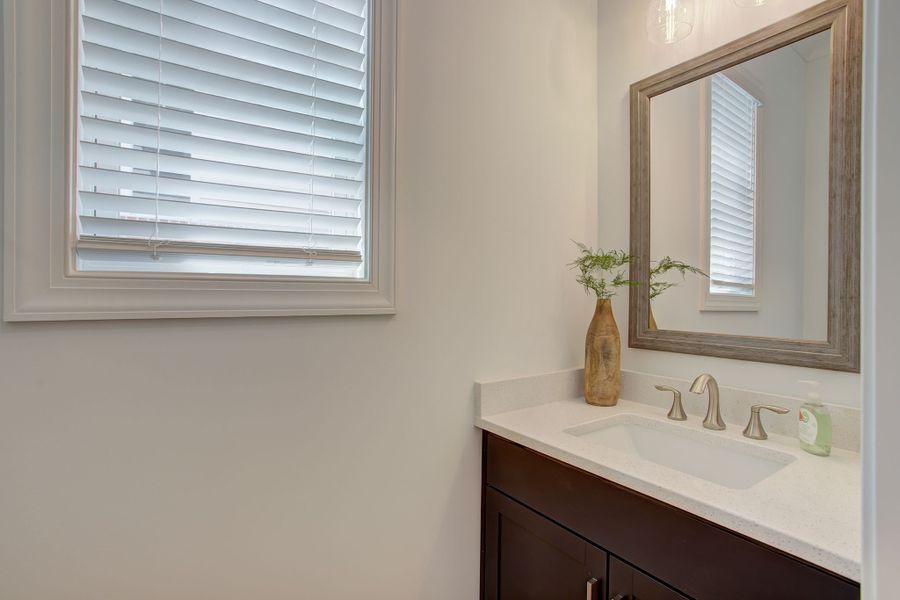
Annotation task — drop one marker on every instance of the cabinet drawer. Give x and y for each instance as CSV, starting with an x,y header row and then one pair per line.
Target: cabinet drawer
x,y
699,558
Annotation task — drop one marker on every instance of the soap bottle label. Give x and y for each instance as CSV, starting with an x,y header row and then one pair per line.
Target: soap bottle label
x,y
809,427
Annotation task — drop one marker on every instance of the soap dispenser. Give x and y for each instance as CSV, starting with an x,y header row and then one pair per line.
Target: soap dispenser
x,y
815,423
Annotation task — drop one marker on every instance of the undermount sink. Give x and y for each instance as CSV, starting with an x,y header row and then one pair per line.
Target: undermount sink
x,y
706,455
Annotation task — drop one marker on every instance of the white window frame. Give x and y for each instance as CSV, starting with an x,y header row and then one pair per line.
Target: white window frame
x,y
40,283
710,302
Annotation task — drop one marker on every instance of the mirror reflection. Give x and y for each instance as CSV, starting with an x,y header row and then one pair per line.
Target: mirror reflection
x,y
739,162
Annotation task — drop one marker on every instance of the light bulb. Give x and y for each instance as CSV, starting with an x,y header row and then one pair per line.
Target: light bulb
x,y
750,3
669,21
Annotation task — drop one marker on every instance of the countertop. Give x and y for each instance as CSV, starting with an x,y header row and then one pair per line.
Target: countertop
x,y
811,508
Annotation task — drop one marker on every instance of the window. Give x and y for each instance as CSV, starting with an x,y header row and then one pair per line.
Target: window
x,y
222,136
223,157
733,131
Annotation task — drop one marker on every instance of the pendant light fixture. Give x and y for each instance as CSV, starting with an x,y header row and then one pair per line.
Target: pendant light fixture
x,y
670,21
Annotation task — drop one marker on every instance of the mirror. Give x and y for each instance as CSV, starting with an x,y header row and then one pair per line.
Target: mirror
x,y
745,197
740,165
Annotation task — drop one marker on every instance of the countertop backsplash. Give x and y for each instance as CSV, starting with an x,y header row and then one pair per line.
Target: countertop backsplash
x,y
524,392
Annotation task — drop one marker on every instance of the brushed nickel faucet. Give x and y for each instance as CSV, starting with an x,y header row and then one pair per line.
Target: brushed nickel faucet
x,y
755,429
713,418
676,413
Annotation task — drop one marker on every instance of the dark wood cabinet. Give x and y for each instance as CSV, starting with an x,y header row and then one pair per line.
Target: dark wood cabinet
x,y
549,528
627,583
528,557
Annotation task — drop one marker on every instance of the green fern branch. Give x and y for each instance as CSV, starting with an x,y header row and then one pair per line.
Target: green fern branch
x,y
600,271
663,266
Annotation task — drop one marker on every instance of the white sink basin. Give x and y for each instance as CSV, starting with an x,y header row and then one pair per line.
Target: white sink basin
x,y
709,456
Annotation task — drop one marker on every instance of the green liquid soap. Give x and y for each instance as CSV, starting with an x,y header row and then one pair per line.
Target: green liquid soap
x,y
815,426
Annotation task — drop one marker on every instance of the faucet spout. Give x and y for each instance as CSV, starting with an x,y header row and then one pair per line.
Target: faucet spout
x,y
706,382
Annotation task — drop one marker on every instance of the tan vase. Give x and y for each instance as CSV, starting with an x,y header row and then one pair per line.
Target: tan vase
x,y
652,324
602,358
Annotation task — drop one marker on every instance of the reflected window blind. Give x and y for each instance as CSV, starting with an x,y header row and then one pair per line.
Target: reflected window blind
x,y
223,136
733,141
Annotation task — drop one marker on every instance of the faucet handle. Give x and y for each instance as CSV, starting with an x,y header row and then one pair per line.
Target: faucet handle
x,y
676,413
754,429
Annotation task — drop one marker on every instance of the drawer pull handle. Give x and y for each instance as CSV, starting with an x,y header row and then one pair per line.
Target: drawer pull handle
x,y
618,597
592,588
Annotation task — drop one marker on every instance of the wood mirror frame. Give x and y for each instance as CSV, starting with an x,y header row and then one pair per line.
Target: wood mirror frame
x,y
841,349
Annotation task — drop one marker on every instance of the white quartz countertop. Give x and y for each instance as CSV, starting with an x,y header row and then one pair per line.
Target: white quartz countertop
x,y
810,508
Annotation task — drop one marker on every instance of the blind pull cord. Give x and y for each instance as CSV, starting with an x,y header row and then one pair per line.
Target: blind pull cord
x,y
310,249
154,241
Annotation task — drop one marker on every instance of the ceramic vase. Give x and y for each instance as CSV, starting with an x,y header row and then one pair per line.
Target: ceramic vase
x,y
602,357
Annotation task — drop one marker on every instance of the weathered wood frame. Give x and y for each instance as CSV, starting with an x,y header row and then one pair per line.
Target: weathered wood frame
x,y
841,349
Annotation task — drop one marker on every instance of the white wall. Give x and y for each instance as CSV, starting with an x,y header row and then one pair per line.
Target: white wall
x,y
881,289
326,457
815,201
626,56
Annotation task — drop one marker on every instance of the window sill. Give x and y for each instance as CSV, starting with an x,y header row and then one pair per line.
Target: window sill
x,y
722,303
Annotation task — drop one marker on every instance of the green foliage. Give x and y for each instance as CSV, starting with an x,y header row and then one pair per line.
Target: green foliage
x,y
601,271
663,266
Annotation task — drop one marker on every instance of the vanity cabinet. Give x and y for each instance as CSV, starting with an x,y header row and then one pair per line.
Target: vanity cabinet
x,y
553,532
627,583
529,557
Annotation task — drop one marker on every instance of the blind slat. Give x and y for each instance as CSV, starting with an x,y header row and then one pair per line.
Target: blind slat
x,y
138,229
219,128
196,45
199,147
292,21
734,230
186,210
216,171
306,17
244,111
732,162
306,37
729,200
288,91
228,194
331,13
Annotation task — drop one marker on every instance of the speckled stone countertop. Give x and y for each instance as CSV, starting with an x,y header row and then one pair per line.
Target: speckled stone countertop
x,y
811,508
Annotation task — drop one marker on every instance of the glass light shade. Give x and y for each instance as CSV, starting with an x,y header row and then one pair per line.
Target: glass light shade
x,y
750,3
670,21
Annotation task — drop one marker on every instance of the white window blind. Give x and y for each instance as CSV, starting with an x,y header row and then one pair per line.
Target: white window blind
x,y
733,156
223,137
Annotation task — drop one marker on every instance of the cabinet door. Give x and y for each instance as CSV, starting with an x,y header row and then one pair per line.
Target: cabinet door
x,y
528,557
627,583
